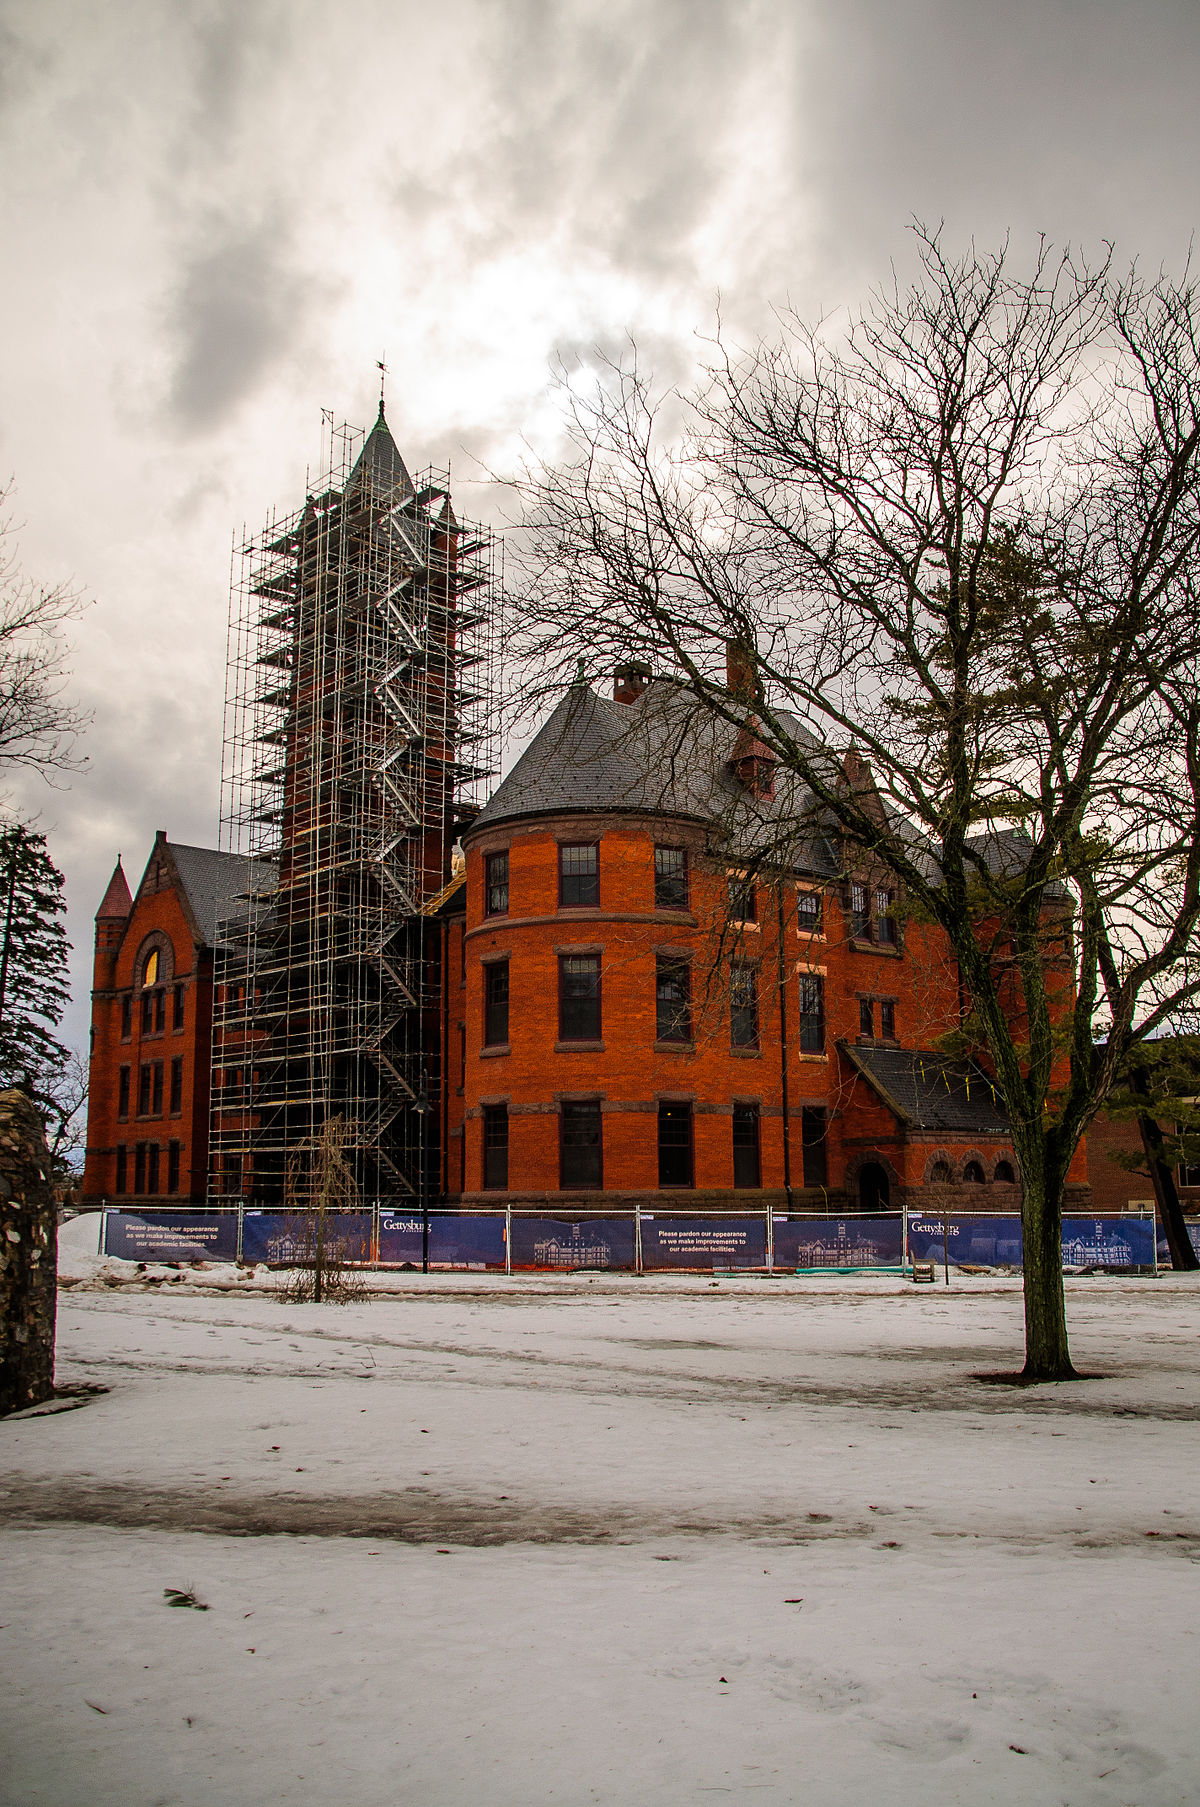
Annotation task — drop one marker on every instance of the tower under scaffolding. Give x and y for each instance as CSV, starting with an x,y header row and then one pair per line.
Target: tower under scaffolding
x,y
357,737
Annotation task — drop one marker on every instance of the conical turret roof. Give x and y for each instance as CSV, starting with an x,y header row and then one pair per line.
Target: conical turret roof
x,y
118,899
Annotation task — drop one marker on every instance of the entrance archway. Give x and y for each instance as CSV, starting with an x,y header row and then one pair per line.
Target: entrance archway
x,y
874,1192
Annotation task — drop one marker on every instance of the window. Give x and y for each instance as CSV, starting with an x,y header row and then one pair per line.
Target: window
x,y
495,1147
580,1145
156,1107
578,876
860,913
741,897
495,1004
885,922
139,1168
747,1165
123,1092
150,975
160,1011
1005,1176
887,1019
579,998
812,1013
495,901
176,1085
743,1005
462,1056
809,914
147,1013
813,1126
126,1017
670,878
178,1021
122,1179
152,1167
973,1174
674,1144
173,1166
145,1081
673,988
866,1019
1189,1173
940,1174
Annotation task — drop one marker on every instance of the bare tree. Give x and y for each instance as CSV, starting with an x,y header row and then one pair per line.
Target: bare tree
x,y
960,535
321,1194
39,727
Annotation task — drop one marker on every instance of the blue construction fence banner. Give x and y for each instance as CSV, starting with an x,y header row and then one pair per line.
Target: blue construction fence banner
x,y
472,1243
839,1242
171,1236
282,1237
697,1242
1116,1243
1164,1252
550,1242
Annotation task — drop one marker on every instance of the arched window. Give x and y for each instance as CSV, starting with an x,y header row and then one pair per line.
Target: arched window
x,y
973,1174
874,1192
1004,1174
940,1174
150,975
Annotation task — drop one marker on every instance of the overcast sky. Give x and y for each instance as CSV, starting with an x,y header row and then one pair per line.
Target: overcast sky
x,y
217,214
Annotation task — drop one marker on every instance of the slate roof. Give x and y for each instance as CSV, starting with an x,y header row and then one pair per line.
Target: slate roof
x,y
929,1091
217,883
380,461
658,756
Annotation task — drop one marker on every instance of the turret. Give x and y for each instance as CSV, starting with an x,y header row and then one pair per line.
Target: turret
x,y
111,918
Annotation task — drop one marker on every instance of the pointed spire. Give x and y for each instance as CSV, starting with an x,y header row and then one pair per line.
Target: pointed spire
x,y
379,464
118,899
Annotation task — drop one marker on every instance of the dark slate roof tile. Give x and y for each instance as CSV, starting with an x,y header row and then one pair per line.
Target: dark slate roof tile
x,y
930,1091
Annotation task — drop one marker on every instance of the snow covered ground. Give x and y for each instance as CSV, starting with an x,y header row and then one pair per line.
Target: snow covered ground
x,y
583,1540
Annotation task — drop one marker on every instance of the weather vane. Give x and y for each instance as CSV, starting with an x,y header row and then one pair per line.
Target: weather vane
x,y
381,367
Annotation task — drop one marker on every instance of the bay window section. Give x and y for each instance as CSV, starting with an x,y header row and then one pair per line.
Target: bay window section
x,y
579,998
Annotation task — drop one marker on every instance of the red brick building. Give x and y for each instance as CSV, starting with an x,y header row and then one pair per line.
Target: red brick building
x,y
631,1012
152,1010
638,1004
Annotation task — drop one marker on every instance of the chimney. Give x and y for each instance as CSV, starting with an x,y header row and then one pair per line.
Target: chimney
x,y
629,681
741,670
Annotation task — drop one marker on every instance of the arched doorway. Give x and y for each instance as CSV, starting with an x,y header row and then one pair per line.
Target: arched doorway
x,y
874,1193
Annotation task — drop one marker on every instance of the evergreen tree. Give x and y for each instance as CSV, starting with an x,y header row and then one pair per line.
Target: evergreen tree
x,y
34,951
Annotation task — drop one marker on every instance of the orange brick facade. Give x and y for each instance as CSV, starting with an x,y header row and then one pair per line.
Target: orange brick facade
x,y
631,1071
149,1077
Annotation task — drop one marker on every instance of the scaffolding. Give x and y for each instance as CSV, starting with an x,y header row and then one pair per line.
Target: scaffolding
x,y
358,736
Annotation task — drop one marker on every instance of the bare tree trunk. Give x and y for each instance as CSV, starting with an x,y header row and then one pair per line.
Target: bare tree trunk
x,y
1047,1352
1170,1209
28,1257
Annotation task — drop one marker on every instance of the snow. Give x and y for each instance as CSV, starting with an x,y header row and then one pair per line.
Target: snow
x,y
583,1539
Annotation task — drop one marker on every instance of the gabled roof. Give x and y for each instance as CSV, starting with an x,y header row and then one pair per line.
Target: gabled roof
x,y
379,464
117,901
658,755
928,1091
216,884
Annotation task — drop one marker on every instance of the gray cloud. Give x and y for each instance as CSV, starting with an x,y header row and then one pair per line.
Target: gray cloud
x,y
238,307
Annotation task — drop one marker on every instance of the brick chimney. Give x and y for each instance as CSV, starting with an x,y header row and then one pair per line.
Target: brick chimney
x,y
741,670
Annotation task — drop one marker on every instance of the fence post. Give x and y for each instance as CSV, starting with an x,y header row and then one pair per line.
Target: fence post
x,y
770,1238
637,1237
241,1211
375,1214
904,1238
103,1237
508,1239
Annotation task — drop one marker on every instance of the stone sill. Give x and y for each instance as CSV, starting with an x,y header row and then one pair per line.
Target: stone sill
x,y
579,1047
495,1052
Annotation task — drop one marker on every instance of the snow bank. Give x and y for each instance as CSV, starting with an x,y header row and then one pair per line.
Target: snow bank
x,y
81,1265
